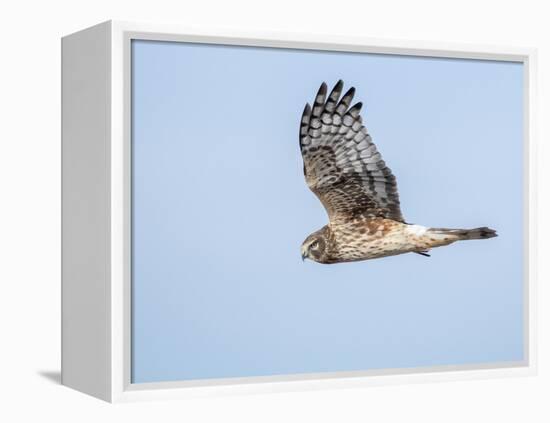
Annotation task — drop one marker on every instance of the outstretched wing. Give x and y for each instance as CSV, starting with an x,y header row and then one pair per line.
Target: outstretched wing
x,y
341,164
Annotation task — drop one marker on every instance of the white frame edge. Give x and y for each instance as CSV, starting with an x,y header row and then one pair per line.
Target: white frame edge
x,y
117,303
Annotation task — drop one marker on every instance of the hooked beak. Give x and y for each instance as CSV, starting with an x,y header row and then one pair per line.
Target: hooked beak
x,y
304,256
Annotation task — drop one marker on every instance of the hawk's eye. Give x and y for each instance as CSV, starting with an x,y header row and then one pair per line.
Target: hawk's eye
x,y
314,245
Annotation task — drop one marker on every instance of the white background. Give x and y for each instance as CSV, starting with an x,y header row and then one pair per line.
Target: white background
x,y
30,208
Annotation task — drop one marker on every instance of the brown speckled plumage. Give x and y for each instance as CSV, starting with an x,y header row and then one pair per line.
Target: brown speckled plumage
x,y
344,169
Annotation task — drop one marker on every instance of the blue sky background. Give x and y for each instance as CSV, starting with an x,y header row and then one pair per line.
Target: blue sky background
x,y
221,209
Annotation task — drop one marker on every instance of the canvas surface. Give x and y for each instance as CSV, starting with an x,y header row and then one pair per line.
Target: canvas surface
x,y
220,209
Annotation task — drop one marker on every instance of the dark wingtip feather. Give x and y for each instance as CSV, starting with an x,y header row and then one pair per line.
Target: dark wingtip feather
x,y
320,99
334,96
347,97
306,115
357,106
355,111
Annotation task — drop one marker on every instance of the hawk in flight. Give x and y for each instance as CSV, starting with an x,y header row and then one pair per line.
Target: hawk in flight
x,y
345,171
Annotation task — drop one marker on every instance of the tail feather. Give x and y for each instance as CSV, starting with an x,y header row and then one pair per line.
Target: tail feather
x,y
462,234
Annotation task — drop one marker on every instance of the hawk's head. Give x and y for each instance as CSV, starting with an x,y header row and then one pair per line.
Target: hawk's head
x,y
315,246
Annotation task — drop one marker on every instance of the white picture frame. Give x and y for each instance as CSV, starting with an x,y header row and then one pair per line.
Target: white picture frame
x,y
96,179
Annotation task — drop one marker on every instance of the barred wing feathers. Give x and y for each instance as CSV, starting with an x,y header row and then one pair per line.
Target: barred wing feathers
x,y
341,163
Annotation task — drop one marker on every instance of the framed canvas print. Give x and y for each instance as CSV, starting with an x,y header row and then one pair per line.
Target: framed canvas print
x,y
266,212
